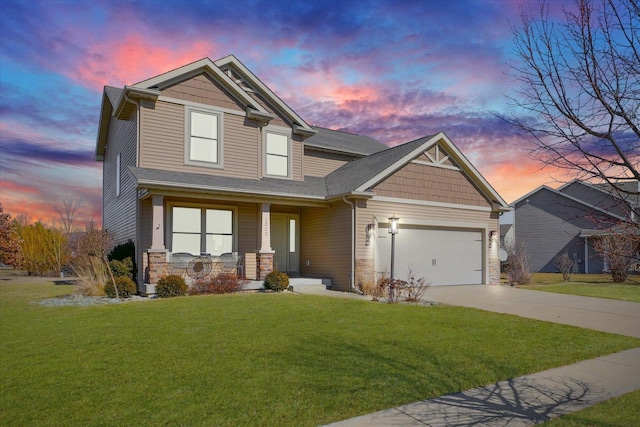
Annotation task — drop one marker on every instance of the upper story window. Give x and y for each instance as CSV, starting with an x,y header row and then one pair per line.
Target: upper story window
x,y
203,138
277,154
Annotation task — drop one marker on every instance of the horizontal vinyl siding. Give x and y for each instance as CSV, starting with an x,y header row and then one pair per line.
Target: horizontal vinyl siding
x,y
321,164
423,182
119,212
446,217
163,143
548,225
247,228
326,243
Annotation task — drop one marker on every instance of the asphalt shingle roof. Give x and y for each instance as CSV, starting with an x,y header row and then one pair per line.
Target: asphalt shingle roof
x,y
344,141
342,181
311,187
357,172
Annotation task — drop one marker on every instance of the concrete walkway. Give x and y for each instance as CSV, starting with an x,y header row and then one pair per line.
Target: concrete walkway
x,y
523,401
534,398
600,314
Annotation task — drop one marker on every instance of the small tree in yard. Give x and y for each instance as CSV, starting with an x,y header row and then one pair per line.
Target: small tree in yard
x,y
620,250
88,263
9,241
565,265
519,265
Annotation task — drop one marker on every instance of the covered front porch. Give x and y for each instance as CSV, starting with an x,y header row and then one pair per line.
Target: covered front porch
x,y
248,238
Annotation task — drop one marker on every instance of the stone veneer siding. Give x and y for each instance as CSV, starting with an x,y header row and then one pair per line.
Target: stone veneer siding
x,y
156,266
365,272
265,265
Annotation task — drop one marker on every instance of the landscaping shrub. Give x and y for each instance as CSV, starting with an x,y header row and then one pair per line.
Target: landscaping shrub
x,y
92,275
122,268
565,265
171,286
414,288
223,283
373,289
519,267
126,287
123,251
276,281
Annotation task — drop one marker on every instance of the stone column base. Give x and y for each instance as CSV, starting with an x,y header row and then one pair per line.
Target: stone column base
x,y
265,264
156,265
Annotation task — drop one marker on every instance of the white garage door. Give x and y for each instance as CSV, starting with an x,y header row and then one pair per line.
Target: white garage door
x,y
442,256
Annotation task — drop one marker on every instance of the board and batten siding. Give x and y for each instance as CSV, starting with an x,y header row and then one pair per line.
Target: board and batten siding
x,y
163,143
119,211
321,164
423,182
325,246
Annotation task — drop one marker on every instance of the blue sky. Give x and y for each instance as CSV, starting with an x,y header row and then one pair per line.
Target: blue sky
x,y
393,70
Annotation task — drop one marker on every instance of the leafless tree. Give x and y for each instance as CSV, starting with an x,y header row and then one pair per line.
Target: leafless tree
x,y
67,212
580,90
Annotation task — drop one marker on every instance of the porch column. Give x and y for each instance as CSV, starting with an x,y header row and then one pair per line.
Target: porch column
x,y
157,238
265,230
265,256
586,255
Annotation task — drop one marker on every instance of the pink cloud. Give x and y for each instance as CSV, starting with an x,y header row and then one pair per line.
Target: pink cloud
x,y
133,59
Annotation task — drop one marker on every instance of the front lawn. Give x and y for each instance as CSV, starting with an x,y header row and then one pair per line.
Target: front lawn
x,y
258,359
620,411
590,285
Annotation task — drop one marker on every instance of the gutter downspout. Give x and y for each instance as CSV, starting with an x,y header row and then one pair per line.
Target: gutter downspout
x,y
139,252
353,242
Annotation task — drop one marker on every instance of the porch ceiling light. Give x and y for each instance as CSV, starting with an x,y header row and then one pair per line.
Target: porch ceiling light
x,y
394,225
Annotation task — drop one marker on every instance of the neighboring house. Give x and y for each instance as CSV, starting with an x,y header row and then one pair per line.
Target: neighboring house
x,y
207,159
550,222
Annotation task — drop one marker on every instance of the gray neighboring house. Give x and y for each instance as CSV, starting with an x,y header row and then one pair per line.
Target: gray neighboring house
x,y
552,221
206,159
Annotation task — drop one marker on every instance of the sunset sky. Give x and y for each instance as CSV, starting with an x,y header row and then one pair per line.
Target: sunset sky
x,y
393,70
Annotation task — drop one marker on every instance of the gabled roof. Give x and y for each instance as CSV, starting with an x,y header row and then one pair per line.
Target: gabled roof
x,y
231,62
361,175
343,142
123,102
566,196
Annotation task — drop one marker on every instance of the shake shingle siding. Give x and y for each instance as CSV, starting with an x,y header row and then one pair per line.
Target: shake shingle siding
x,y
119,212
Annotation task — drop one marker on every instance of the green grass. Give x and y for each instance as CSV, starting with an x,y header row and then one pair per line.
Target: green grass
x,y
618,412
590,285
259,359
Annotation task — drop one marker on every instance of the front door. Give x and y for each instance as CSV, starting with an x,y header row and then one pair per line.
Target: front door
x,y
285,243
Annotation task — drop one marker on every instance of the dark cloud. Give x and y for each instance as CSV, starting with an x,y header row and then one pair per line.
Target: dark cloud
x,y
25,151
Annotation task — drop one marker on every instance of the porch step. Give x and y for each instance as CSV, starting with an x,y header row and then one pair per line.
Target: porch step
x,y
305,285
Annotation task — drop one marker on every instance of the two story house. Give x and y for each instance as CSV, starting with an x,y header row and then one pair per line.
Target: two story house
x,y
568,219
206,159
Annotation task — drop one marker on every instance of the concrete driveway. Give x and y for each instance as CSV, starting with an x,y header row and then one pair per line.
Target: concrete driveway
x,y
619,317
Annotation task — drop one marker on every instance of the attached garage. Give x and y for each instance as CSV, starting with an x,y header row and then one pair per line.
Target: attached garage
x,y
444,256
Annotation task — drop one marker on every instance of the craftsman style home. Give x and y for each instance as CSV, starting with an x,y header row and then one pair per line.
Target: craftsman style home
x,y
550,222
206,159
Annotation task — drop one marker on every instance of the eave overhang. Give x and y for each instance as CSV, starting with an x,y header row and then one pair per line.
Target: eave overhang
x,y
127,104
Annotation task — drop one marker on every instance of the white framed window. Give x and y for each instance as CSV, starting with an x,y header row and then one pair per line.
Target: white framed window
x,y
277,154
203,137
118,175
199,230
